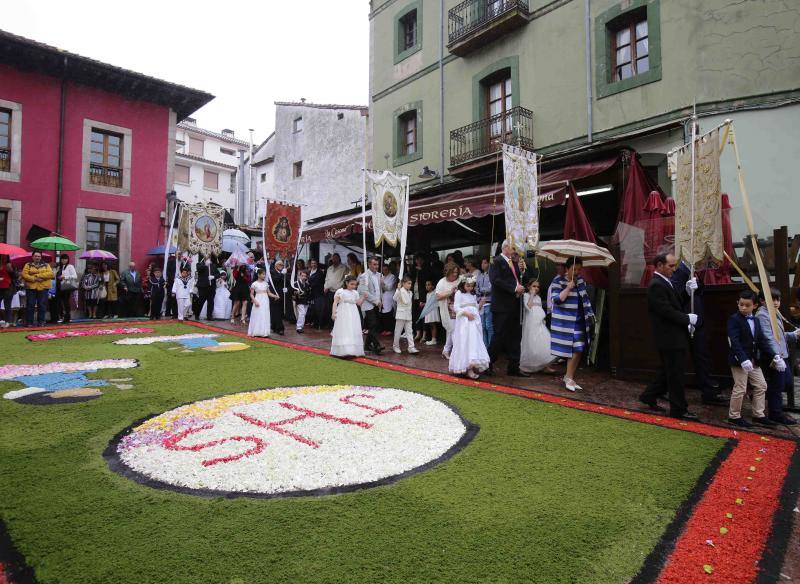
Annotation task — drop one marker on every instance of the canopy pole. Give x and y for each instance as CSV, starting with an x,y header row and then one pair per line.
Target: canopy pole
x,y
691,242
364,220
405,231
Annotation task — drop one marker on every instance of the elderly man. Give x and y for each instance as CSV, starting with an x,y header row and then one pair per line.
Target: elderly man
x,y
671,327
369,287
334,279
131,281
507,290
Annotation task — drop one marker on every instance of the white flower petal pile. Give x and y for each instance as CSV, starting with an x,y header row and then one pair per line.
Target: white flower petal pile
x,y
163,339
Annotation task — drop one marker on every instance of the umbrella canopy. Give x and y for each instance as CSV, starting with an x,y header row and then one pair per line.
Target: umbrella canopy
x,y
233,246
97,254
19,261
160,249
236,235
560,250
11,250
55,243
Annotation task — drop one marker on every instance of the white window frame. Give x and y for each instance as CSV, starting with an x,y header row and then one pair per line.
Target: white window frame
x,y
86,152
205,188
84,215
188,174
14,224
15,174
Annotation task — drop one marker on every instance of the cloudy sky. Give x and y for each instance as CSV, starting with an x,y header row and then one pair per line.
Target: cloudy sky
x,y
248,54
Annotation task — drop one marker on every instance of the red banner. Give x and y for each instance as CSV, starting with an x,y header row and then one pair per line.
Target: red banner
x,y
282,228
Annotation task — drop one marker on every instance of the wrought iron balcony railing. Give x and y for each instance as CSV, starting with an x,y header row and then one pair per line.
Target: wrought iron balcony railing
x,y
5,160
105,176
487,136
472,15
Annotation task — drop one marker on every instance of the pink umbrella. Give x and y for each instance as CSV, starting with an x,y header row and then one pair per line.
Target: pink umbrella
x,y
97,254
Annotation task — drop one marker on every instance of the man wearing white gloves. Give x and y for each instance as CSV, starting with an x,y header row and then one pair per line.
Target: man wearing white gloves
x,y
779,374
671,327
748,349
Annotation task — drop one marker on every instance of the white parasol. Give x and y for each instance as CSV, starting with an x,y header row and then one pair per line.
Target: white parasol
x,y
560,250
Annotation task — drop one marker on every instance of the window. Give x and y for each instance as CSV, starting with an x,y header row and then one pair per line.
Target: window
x,y
297,125
105,160
408,133
297,169
182,174
499,94
180,146
196,147
630,50
210,180
227,151
5,140
3,226
263,177
408,31
102,235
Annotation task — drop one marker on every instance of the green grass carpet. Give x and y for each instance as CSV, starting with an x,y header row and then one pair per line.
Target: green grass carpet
x,y
542,494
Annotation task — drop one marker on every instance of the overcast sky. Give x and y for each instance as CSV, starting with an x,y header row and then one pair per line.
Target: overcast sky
x,y
248,54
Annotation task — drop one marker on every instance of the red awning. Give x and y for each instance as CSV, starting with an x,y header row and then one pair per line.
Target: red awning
x,y
461,205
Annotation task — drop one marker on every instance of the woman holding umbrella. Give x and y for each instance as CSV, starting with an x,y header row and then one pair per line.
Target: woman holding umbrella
x,y
66,284
90,284
108,290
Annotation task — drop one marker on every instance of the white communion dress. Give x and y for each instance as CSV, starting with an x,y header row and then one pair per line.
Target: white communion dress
x,y
259,317
535,351
222,301
468,352
347,339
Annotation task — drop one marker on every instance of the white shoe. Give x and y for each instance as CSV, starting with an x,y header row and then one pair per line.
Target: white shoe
x,y
413,351
570,384
431,342
445,354
396,350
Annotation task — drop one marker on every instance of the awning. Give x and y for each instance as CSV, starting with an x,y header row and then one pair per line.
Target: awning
x,y
472,203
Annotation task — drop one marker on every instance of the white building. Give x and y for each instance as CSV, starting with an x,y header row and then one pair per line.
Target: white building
x,y
207,164
263,169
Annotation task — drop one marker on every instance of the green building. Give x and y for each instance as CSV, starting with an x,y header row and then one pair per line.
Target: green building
x,y
580,81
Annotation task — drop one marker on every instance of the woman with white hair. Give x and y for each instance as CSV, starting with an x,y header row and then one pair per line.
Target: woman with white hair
x,y
445,292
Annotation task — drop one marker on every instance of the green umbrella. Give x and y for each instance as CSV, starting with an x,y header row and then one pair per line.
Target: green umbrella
x,y
55,243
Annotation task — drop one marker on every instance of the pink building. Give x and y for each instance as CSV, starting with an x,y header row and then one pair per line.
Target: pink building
x,y
86,149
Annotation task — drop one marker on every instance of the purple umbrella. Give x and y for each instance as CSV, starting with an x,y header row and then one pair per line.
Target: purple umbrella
x,y
97,254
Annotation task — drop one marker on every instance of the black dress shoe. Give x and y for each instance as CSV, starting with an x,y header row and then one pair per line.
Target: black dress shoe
x,y
716,400
489,372
653,405
766,422
378,350
518,373
688,416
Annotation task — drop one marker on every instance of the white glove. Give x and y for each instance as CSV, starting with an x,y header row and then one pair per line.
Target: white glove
x,y
285,290
779,363
691,285
747,365
691,329
692,319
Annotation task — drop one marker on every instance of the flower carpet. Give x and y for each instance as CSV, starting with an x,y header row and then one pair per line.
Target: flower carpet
x,y
275,464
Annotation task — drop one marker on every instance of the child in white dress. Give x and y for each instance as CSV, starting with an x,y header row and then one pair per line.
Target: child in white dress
x,y
535,351
347,340
403,298
222,299
182,291
259,296
469,354
432,319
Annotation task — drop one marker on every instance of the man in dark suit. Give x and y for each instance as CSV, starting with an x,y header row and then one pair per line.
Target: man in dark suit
x,y
419,274
205,290
316,283
671,330
683,283
506,293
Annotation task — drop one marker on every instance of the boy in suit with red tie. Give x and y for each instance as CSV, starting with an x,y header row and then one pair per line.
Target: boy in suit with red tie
x,y
749,348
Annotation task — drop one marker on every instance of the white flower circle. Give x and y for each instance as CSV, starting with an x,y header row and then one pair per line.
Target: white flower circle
x,y
291,441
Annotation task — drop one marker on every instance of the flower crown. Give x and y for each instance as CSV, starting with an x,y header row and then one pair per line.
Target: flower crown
x,y
464,279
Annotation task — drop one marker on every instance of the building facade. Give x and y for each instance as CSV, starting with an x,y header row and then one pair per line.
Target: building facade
x,y
452,79
207,164
86,149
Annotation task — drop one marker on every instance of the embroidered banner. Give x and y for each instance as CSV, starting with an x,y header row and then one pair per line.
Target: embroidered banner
x,y
282,229
521,197
705,232
387,192
200,228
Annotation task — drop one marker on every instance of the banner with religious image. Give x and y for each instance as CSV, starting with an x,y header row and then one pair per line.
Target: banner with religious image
x,y
701,239
200,228
389,196
282,228
521,197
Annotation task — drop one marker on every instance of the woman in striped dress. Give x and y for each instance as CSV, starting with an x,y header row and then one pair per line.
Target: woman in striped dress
x,y
573,318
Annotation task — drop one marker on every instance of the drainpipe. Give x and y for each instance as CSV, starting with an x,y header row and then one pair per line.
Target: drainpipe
x,y
60,188
587,17
441,91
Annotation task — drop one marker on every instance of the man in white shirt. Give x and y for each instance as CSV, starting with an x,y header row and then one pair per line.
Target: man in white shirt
x,y
369,287
334,279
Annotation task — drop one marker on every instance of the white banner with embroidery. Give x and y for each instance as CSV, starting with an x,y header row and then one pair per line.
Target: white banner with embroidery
x,y
388,193
200,228
521,196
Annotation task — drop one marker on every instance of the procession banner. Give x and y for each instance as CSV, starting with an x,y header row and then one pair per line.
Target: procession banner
x,y
699,238
282,223
200,228
521,197
389,195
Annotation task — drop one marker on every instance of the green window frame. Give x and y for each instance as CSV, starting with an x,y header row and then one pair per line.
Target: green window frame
x,y
400,53
480,88
399,158
604,32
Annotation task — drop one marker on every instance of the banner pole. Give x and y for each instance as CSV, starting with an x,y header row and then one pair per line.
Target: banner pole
x,y
167,244
364,220
405,231
691,242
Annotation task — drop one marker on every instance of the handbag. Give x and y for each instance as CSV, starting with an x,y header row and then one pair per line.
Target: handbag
x,y
68,285
103,293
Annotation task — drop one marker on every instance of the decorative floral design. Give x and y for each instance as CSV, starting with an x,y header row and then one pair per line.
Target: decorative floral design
x,y
189,342
292,439
61,381
64,334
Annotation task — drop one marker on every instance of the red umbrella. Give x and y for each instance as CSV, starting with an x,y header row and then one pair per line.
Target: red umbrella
x,y
19,261
7,249
658,227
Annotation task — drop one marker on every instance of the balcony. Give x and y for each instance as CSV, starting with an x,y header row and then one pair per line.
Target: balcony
x,y
5,160
105,176
472,145
475,23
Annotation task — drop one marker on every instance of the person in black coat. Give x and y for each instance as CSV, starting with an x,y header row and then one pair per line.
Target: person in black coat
x,y
683,283
419,275
506,293
671,330
157,287
316,284
276,306
204,280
